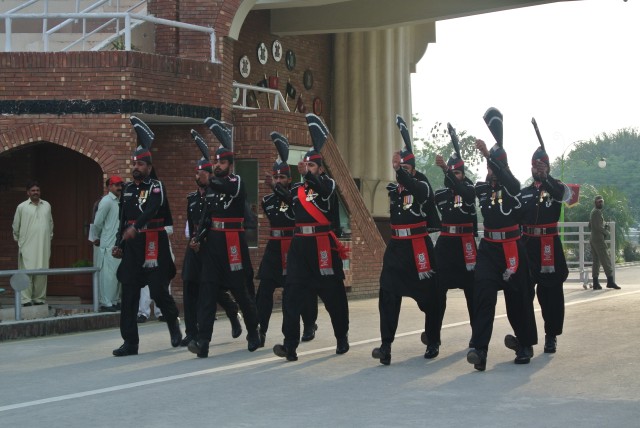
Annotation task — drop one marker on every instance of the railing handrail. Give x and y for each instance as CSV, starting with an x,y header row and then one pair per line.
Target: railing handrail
x,y
22,6
54,271
70,20
127,16
277,102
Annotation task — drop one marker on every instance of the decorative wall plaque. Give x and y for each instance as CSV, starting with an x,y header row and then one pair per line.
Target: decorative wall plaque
x,y
307,79
276,50
290,59
263,53
244,66
317,106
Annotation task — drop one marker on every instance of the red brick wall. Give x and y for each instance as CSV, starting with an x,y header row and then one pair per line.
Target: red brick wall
x,y
107,75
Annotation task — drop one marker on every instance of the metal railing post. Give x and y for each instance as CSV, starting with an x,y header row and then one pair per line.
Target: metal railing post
x,y
18,303
7,30
127,32
94,284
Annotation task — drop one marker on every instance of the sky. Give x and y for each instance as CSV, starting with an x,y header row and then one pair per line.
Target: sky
x,y
574,66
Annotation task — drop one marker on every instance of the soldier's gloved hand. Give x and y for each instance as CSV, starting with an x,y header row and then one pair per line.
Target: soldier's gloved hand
x,y
282,192
130,233
441,163
116,252
194,245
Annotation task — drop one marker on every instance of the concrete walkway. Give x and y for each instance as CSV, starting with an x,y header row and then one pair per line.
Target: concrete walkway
x,y
72,380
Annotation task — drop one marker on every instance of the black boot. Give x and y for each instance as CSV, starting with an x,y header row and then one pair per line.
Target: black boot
x,y
477,357
199,347
253,340
185,342
343,345
383,353
550,343
236,327
125,350
596,284
309,333
523,355
174,332
612,284
282,352
432,351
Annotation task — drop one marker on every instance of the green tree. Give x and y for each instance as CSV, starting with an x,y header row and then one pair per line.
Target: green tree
x,y
437,141
620,150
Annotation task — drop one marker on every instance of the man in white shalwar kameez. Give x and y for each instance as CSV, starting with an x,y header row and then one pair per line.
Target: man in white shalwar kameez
x,y
33,231
105,226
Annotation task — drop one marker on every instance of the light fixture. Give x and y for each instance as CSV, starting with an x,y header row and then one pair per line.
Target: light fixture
x,y
602,163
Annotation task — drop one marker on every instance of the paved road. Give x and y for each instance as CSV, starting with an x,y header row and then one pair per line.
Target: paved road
x,y
592,381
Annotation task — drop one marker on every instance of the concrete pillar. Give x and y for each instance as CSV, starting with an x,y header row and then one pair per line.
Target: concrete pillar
x,y
372,84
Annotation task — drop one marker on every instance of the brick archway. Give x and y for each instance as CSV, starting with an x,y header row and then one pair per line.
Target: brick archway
x,y
44,132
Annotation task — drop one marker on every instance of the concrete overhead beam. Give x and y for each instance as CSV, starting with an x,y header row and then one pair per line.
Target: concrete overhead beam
x,y
366,15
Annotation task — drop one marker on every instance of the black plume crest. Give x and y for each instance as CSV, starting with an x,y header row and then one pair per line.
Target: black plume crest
x,y
454,139
202,144
282,146
145,134
318,130
493,119
404,131
535,127
221,131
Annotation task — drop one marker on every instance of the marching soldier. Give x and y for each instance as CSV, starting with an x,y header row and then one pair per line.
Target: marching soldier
x,y
192,266
144,247
502,260
408,267
225,249
542,204
314,258
273,268
456,246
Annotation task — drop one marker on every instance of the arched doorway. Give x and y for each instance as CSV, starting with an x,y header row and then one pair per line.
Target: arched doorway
x,y
71,183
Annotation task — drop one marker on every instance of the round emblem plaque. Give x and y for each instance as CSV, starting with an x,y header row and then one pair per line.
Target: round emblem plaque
x,y
244,66
276,50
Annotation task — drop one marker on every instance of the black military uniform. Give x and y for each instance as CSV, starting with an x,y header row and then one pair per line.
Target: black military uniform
x,y
314,260
192,269
542,204
272,271
502,265
225,254
455,249
146,258
409,265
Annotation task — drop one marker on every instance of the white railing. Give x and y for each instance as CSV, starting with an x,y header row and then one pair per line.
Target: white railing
x,y
245,90
59,271
128,17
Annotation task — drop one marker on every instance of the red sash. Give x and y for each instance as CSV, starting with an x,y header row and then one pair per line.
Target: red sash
x,y
469,250
285,243
232,238
419,246
325,262
547,254
151,242
468,244
510,249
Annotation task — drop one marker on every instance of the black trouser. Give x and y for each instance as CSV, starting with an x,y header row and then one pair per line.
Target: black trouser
x,y
551,299
159,290
442,302
190,295
264,303
518,294
296,296
389,304
216,276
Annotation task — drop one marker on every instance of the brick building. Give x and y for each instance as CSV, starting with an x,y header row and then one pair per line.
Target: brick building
x,y
65,115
